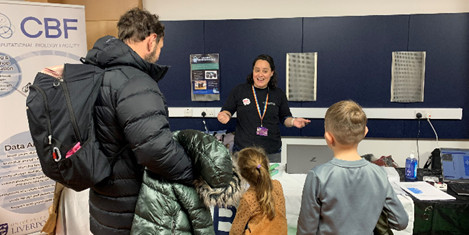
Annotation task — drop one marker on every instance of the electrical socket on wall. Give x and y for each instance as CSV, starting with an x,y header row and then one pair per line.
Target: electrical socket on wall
x,y
187,112
425,114
209,112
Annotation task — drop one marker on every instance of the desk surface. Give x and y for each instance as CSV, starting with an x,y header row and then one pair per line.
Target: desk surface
x,y
440,216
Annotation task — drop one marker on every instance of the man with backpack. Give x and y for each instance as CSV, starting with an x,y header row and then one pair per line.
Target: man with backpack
x,y
132,111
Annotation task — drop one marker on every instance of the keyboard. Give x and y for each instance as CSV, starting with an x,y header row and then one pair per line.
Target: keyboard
x,y
459,188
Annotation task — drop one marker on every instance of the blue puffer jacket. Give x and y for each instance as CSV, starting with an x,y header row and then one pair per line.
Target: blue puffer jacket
x,y
171,208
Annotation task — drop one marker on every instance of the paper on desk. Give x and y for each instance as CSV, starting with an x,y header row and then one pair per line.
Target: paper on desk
x,y
424,191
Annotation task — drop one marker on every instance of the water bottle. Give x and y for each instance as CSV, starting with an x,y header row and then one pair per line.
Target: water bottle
x,y
411,165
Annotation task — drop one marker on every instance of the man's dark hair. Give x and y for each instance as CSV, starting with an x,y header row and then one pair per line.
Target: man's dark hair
x,y
270,60
137,24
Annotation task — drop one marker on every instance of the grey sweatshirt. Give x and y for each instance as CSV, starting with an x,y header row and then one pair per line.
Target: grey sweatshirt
x,y
347,197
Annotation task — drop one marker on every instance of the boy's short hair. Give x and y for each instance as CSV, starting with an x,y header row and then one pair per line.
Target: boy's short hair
x,y
346,121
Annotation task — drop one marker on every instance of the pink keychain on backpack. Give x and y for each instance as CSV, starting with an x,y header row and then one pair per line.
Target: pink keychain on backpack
x,y
73,150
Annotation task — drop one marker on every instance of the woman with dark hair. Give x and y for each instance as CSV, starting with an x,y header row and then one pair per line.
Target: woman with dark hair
x,y
261,106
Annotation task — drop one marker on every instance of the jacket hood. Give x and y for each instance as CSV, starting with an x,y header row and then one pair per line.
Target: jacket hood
x,y
219,182
174,208
224,196
109,51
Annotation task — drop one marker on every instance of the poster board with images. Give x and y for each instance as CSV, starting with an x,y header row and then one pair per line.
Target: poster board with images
x,y
205,77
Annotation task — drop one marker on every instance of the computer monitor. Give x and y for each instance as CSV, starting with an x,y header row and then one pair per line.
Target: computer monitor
x,y
302,158
454,164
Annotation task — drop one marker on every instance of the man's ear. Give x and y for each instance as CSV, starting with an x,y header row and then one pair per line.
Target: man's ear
x,y
329,138
149,41
366,131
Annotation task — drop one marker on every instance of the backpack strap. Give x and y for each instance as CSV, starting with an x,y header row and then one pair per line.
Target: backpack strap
x,y
115,156
85,61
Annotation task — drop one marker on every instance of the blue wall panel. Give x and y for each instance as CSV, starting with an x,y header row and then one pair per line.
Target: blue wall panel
x,y
354,57
354,62
182,38
445,37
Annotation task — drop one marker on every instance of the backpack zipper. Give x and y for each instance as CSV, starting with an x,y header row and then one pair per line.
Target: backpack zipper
x,y
71,113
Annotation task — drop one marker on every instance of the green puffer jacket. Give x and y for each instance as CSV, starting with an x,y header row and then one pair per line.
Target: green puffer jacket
x,y
170,208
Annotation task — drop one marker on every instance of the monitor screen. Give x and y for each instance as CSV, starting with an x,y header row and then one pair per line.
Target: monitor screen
x,y
455,163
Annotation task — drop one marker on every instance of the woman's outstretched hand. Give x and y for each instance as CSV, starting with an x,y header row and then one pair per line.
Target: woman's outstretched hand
x,y
223,117
300,122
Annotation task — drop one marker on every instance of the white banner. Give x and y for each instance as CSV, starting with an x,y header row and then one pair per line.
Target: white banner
x,y
32,36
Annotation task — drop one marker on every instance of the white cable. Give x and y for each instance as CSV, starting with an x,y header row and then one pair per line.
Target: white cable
x,y
203,121
436,135
205,125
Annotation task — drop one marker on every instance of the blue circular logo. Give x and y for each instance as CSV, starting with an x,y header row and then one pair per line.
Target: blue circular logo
x,y
10,74
5,27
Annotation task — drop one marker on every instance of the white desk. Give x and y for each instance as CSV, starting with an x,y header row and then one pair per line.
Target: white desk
x,y
74,214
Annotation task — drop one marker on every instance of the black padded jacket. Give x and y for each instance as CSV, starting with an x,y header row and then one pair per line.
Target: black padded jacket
x,y
131,115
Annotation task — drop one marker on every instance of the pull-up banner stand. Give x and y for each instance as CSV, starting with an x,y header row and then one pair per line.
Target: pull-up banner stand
x,y
32,36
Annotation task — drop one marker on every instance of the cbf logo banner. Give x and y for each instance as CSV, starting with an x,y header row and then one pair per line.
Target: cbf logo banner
x,y
32,36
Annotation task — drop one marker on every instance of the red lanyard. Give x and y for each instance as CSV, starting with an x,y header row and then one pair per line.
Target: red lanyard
x,y
257,103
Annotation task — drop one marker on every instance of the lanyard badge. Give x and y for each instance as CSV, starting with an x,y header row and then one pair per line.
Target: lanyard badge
x,y
261,131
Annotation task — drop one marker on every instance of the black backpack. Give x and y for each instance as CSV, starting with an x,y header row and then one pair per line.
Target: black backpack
x,y
60,113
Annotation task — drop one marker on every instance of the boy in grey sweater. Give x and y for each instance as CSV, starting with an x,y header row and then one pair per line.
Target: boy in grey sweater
x,y
347,194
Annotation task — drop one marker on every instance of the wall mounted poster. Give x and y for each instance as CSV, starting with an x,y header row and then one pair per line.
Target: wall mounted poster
x,y
32,36
205,77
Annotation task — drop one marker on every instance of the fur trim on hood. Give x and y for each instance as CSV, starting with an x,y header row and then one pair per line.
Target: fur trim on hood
x,y
222,196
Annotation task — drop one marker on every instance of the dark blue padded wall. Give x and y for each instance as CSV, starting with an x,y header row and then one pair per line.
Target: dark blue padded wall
x,y
354,57
181,39
445,37
354,62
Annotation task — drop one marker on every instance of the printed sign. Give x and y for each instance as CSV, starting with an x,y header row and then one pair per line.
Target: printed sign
x,y
205,77
32,36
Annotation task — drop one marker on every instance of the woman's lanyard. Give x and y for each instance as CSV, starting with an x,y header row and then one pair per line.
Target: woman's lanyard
x,y
257,104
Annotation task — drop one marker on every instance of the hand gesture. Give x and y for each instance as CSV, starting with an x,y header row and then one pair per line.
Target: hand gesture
x,y
223,117
300,122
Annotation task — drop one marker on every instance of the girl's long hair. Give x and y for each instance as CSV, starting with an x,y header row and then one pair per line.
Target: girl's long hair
x,y
254,167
